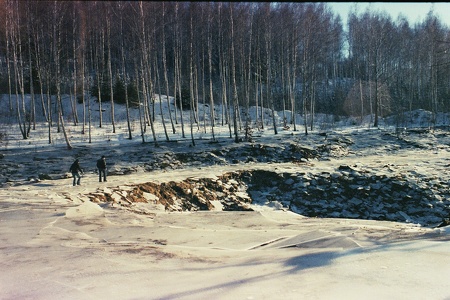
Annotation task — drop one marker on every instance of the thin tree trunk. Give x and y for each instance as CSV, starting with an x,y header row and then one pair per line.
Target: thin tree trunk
x,y
83,85
166,79
18,72
177,53
146,73
294,84
261,95
211,93
122,51
57,49
191,77
111,84
361,99
98,64
249,77
147,95
141,122
8,36
269,70
158,82
39,69
30,67
233,70
75,70
203,89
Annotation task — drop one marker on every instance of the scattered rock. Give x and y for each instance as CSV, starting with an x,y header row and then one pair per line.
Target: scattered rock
x,y
343,194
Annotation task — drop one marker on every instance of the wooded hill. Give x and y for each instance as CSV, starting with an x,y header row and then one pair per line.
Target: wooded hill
x,y
281,56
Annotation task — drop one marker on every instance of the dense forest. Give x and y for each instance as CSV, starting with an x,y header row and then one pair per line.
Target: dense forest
x,y
298,58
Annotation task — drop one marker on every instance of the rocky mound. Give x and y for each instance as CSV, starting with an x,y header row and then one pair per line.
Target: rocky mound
x,y
349,192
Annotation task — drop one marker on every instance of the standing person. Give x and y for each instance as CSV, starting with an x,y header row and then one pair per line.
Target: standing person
x,y
101,166
76,170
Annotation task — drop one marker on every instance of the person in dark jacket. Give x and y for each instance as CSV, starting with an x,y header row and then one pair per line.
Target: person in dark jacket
x,y
75,169
101,166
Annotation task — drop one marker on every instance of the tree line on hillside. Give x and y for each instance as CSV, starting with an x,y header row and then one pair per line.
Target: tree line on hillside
x,y
290,57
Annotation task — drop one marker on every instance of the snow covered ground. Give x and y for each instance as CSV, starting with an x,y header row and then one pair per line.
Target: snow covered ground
x,y
56,244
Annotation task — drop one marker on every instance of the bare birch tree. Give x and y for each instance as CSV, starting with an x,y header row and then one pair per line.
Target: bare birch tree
x,y
58,15
233,77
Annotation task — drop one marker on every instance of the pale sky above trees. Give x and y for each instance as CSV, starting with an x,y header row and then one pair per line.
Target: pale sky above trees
x,y
414,11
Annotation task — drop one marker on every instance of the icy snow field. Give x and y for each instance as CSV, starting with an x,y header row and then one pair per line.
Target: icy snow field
x,y
55,244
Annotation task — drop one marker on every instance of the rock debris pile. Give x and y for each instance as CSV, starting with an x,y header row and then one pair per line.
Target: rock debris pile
x,y
188,195
349,192
354,193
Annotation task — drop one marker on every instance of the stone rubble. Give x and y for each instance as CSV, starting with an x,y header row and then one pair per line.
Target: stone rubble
x,y
349,192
